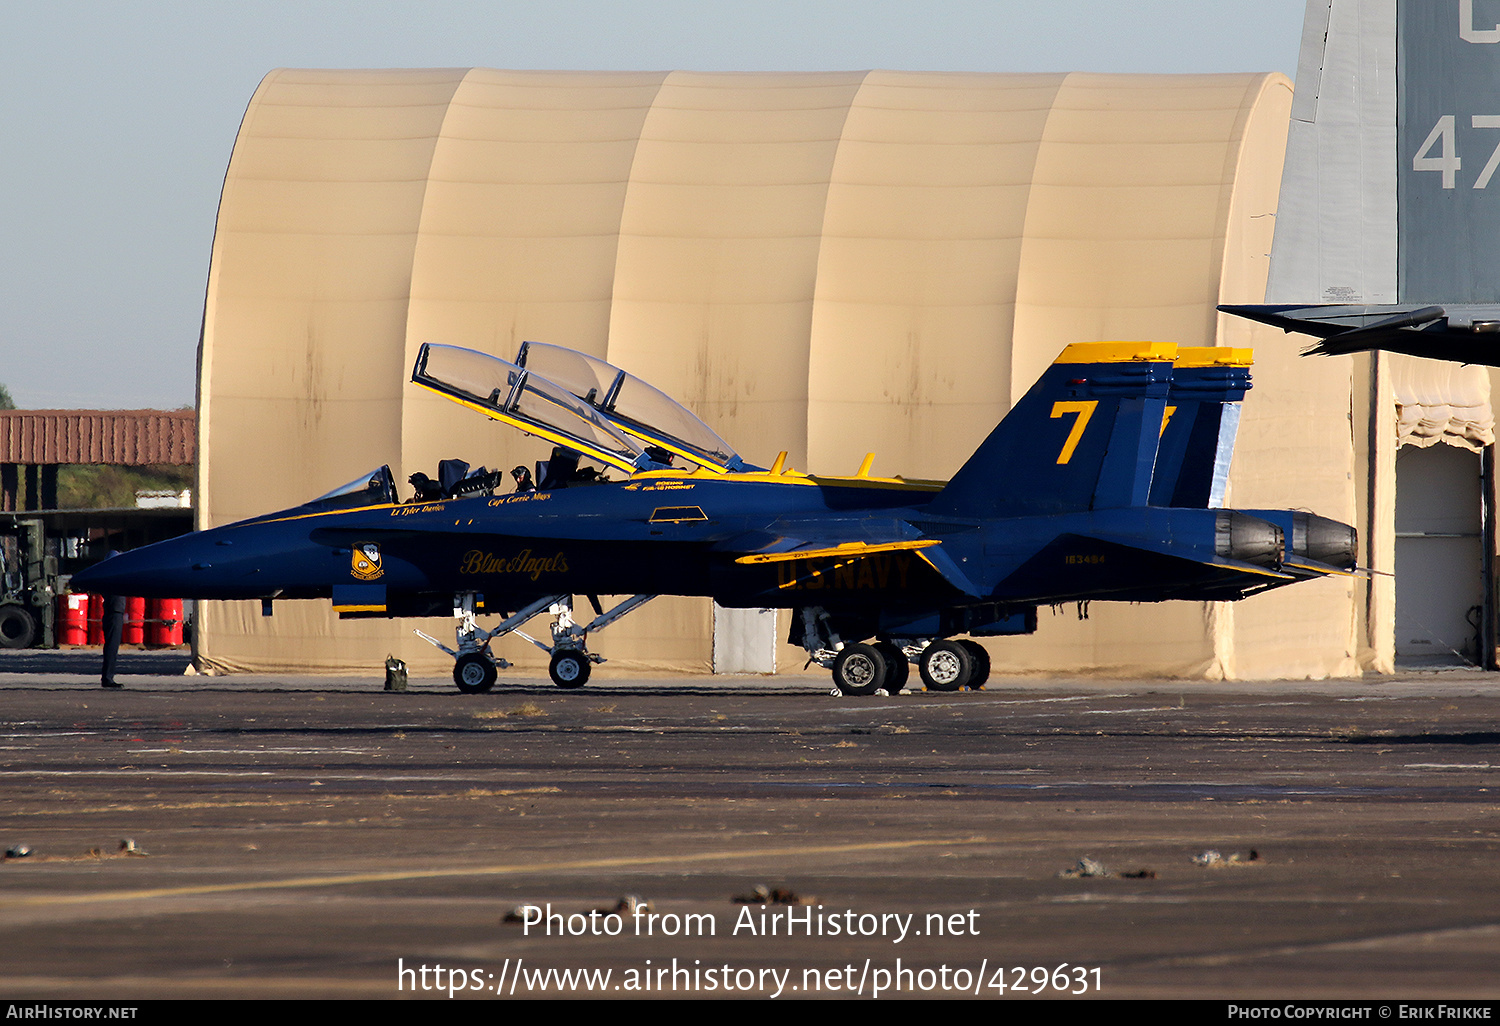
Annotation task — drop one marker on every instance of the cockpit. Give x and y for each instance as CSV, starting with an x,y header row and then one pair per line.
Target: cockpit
x,y
377,488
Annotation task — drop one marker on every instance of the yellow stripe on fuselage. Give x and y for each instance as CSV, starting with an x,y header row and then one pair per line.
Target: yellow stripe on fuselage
x,y
326,513
1247,569
792,477
1327,571
848,550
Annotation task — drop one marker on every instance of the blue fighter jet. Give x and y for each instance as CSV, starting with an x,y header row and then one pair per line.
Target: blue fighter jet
x,y
1104,482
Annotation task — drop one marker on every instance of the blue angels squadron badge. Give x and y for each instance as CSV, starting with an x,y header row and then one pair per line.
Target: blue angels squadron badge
x,y
365,562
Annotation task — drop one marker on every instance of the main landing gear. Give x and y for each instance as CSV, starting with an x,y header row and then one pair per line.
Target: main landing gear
x,y
475,667
861,668
954,665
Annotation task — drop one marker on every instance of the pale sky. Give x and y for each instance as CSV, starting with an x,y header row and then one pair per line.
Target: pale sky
x,y
117,119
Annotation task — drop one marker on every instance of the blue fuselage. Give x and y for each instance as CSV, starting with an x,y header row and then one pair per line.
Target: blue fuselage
x,y
689,535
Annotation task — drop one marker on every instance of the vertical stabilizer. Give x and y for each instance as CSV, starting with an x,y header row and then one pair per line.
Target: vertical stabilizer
x,y
1448,137
1388,233
1389,194
1202,420
1336,220
1084,437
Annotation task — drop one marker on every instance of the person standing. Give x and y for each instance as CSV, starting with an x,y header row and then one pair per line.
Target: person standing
x,y
114,627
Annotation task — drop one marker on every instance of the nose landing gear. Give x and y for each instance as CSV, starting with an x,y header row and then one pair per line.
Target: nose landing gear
x,y
475,666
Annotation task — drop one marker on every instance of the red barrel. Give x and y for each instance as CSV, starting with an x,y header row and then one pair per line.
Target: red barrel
x,y
164,625
134,631
96,620
72,619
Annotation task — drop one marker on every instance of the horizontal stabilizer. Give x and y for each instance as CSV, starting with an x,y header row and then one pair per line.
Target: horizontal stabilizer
x,y
1355,339
943,563
1461,334
1165,548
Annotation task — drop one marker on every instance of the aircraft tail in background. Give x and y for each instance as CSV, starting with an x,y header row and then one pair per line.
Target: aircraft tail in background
x,y
1388,228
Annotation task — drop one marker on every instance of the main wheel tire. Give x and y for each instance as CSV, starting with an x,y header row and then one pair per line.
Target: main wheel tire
x,y
859,670
897,669
569,668
17,627
945,666
474,673
981,656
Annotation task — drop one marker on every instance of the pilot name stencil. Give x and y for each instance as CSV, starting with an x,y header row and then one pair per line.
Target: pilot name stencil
x,y
506,500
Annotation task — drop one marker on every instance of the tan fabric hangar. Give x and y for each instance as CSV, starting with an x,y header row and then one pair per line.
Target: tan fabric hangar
x,y
827,263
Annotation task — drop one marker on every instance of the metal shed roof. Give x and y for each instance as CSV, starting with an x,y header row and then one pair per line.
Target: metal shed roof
x,y
122,437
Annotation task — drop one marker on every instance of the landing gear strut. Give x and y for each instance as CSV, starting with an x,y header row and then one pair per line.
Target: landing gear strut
x,y
475,666
858,668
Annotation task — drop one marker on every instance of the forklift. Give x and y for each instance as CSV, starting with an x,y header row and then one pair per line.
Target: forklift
x,y
29,586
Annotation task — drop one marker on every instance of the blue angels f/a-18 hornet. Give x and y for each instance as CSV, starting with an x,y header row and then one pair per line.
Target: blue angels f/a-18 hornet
x,y
1105,482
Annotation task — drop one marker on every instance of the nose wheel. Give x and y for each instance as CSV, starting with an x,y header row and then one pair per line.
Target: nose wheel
x,y
569,668
474,672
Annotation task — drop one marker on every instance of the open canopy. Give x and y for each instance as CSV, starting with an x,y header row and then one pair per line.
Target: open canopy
x,y
633,406
524,399
578,401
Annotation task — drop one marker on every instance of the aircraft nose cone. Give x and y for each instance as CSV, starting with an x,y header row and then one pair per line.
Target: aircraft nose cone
x,y
102,578
152,572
